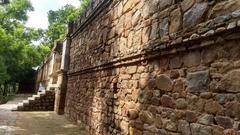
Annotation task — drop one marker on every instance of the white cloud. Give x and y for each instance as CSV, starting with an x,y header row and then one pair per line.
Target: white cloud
x,y
38,18
72,2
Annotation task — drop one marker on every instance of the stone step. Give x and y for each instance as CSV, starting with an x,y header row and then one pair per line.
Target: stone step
x,y
31,98
41,93
14,108
20,104
37,102
20,107
36,97
25,102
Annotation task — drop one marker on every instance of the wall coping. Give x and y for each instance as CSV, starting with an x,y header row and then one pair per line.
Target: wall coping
x,y
221,25
94,8
231,31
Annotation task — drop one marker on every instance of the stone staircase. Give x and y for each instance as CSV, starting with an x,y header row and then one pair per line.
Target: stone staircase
x,y
43,101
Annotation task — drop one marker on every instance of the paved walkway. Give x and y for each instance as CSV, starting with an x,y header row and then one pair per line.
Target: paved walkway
x,y
34,123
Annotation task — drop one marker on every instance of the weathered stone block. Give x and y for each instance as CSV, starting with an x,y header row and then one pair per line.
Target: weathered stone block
x,y
181,103
208,56
164,24
230,82
206,95
175,20
124,127
175,62
158,121
206,119
131,69
136,18
191,117
194,15
155,101
132,114
197,129
128,6
224,122
167,101
146,34
163,82
179,85
212,107
165,3
171,126
225,7
146,11
187,4
154,32
232,109
174,74
198,81
146,117
192,59
217,130
184,127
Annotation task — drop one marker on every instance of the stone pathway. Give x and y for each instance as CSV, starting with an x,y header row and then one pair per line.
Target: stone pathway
x,y
34,123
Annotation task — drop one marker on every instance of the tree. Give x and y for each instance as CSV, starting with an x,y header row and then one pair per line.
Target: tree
x,y
17,53
83,5
59,19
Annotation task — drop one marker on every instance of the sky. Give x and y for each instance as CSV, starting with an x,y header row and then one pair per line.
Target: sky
x,y
38,18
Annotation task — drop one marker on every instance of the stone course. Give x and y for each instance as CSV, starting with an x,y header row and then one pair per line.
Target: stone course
x,y
165,67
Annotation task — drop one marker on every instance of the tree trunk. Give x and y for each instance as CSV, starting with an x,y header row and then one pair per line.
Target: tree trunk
x,y
5,89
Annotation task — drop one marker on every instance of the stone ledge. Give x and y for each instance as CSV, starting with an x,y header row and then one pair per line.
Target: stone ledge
x,y
177,44
157,50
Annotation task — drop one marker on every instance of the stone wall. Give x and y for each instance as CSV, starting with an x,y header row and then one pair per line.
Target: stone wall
x,y
52,74
156,67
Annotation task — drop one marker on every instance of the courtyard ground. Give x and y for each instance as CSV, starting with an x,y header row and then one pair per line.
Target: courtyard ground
x,y
34,123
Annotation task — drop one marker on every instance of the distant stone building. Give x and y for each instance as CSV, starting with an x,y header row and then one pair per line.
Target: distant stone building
x,y
52,74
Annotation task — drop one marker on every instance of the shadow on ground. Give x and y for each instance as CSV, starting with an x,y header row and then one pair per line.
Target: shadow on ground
x,y
34,123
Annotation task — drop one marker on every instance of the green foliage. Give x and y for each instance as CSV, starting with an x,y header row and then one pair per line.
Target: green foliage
x,y
3,71
17,53
59,19
84,4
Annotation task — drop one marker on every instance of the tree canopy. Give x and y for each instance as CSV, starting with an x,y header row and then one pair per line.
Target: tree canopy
x,y
58,23
17,53
59,19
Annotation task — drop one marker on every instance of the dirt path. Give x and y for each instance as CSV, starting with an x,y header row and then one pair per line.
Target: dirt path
x,y
34,123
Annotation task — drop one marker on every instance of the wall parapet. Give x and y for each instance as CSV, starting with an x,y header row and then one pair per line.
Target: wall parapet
x,y
122,28
93,9
205,35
